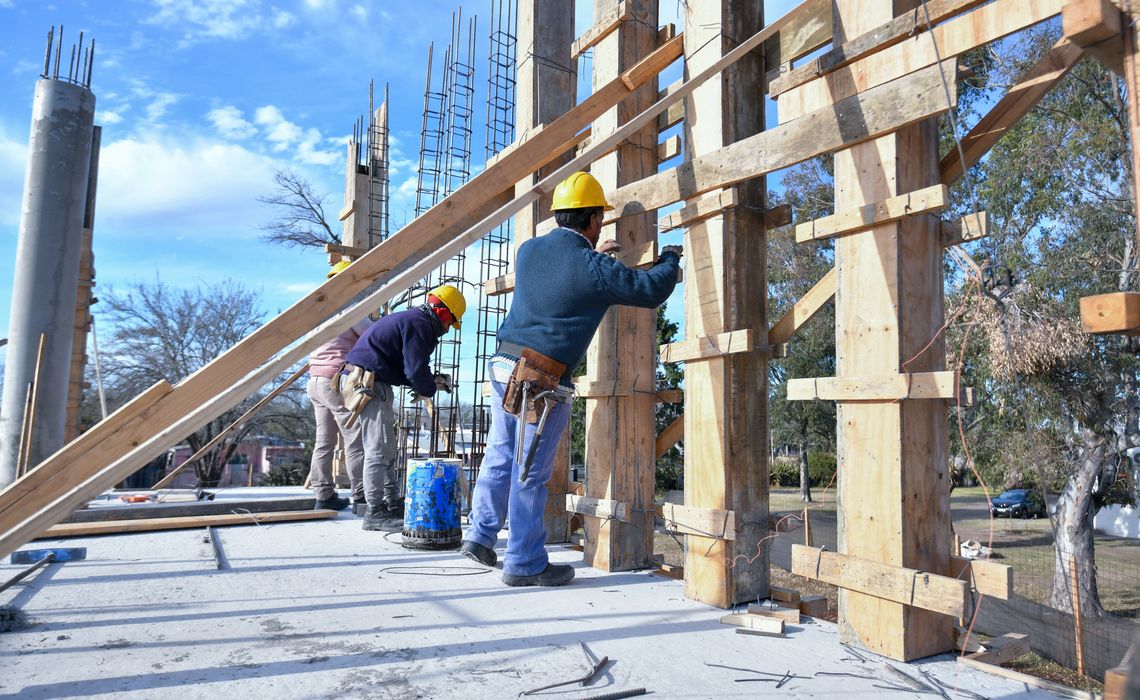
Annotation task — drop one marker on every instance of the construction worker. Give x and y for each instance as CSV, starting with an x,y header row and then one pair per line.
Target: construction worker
x,y
333,418
395,351
564,283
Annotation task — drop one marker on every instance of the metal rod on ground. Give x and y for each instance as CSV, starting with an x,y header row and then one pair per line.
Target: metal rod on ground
x,y
30,413
617,694
1074,575
219,554
27,572
166,480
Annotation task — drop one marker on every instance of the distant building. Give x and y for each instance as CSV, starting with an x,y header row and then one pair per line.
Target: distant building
x,y
256,453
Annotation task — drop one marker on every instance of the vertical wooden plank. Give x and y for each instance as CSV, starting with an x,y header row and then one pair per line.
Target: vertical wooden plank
x,y
547,78
893,489
726,427
620,430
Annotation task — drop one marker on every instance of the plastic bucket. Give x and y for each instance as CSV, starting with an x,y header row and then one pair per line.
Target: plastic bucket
x,y
432,503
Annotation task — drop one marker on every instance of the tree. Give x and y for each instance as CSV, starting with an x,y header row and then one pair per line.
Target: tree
x,y
671,465
1067,229
158,332
793,268
301,219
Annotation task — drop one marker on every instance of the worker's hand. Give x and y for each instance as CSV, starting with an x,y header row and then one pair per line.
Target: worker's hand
x,y
443,382
413,397
608,247
679,250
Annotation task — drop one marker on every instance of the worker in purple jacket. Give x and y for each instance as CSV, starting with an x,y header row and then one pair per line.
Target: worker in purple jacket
x,y
397,350
333,418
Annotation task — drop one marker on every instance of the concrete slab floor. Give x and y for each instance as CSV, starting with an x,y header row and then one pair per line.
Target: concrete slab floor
x,y
325,609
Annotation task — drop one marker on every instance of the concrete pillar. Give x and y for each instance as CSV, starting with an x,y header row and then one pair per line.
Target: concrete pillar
x,y
46,278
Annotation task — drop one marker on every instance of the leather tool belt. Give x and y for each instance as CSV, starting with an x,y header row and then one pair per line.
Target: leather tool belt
x,y
534,374
356,389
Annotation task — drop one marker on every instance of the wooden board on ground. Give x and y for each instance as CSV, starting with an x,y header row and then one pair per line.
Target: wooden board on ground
x,y
187,509
756,622
1003,649
112,527
784,594
895,583
790,616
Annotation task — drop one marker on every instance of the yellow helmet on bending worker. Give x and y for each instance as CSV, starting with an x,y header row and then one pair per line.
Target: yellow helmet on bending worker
x,y
453,299
579,191
338,268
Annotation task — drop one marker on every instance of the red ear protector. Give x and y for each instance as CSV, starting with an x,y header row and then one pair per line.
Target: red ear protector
x,y
441,311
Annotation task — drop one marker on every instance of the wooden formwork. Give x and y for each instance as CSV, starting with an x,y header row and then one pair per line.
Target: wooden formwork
x,y
871,99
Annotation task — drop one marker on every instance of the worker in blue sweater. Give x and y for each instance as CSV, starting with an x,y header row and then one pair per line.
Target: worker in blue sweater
x,y
564,284
394,351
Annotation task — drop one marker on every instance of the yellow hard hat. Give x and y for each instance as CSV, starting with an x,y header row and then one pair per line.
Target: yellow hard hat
x,y
453,299
338,268
579,191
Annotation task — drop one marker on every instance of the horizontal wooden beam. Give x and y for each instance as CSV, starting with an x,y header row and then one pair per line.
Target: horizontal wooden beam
x,y
670,396
899,29
1015,104
339,249
704,208
699,522
504,284
598,508
607,24
918,589
986,24
671,435
969,228
874,214
585,389
986,577
803,310
709,346
1089,22
865,116
168,509
777,216
896,387
1118,312
640,256
112,527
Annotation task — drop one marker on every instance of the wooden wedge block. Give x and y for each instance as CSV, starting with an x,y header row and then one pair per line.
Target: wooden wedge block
x,y
755,622
1116,683
788,615
813,605
1003,649
784,595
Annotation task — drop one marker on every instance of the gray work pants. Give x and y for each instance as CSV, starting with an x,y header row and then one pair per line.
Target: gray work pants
x,y
379,435
331,417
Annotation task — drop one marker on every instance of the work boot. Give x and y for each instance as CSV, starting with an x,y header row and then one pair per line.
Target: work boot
x,y
394,520
477,552
375,517
359,505
552,575
335,503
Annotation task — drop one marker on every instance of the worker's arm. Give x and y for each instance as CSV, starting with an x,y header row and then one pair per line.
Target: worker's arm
x,y
644,288
417,355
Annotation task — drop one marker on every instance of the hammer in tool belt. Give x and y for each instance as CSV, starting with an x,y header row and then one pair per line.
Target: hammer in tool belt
x,y
535,378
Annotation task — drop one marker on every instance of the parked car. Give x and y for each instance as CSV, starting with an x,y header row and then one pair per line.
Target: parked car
x,y
1018,503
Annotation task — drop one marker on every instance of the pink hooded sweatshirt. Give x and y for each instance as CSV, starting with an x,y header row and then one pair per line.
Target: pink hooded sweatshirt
x,y
328,358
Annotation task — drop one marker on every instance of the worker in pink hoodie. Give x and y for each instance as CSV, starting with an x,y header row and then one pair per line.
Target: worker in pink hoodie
x,y
333,418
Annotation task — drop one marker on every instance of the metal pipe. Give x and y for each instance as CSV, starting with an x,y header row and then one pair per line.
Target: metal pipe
x,y
47,53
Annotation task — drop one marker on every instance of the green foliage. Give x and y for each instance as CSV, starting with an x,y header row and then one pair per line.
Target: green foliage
x,y
821,468
671,467
784,471
291,474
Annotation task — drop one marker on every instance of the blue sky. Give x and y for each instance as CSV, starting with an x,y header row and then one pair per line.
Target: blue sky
x,y
201,99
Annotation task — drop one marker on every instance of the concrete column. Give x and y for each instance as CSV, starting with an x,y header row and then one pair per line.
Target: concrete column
x,y
46,279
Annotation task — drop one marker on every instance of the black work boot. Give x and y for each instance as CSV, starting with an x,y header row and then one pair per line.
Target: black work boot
x,y
337,502
552,575
375,517
477,552
394,520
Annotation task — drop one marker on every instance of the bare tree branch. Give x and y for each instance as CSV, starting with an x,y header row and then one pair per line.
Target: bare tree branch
x,y
301,219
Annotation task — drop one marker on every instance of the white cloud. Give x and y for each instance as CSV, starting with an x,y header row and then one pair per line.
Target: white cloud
x,y
231,123
107,117
6,3
283,19
13,155
319,4
189,184
162,101
286,135
359,11
218,19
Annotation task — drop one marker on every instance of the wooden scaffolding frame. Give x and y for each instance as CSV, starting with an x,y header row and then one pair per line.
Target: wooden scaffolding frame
x,y
871,100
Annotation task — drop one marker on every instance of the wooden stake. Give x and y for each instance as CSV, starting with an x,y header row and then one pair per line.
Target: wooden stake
x,y
1075,584
30,411
807,527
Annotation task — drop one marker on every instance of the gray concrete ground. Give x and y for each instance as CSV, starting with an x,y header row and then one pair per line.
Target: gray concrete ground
x,y
324,609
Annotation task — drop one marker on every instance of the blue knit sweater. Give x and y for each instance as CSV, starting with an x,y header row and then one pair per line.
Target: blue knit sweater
x,y
563,288
397,348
